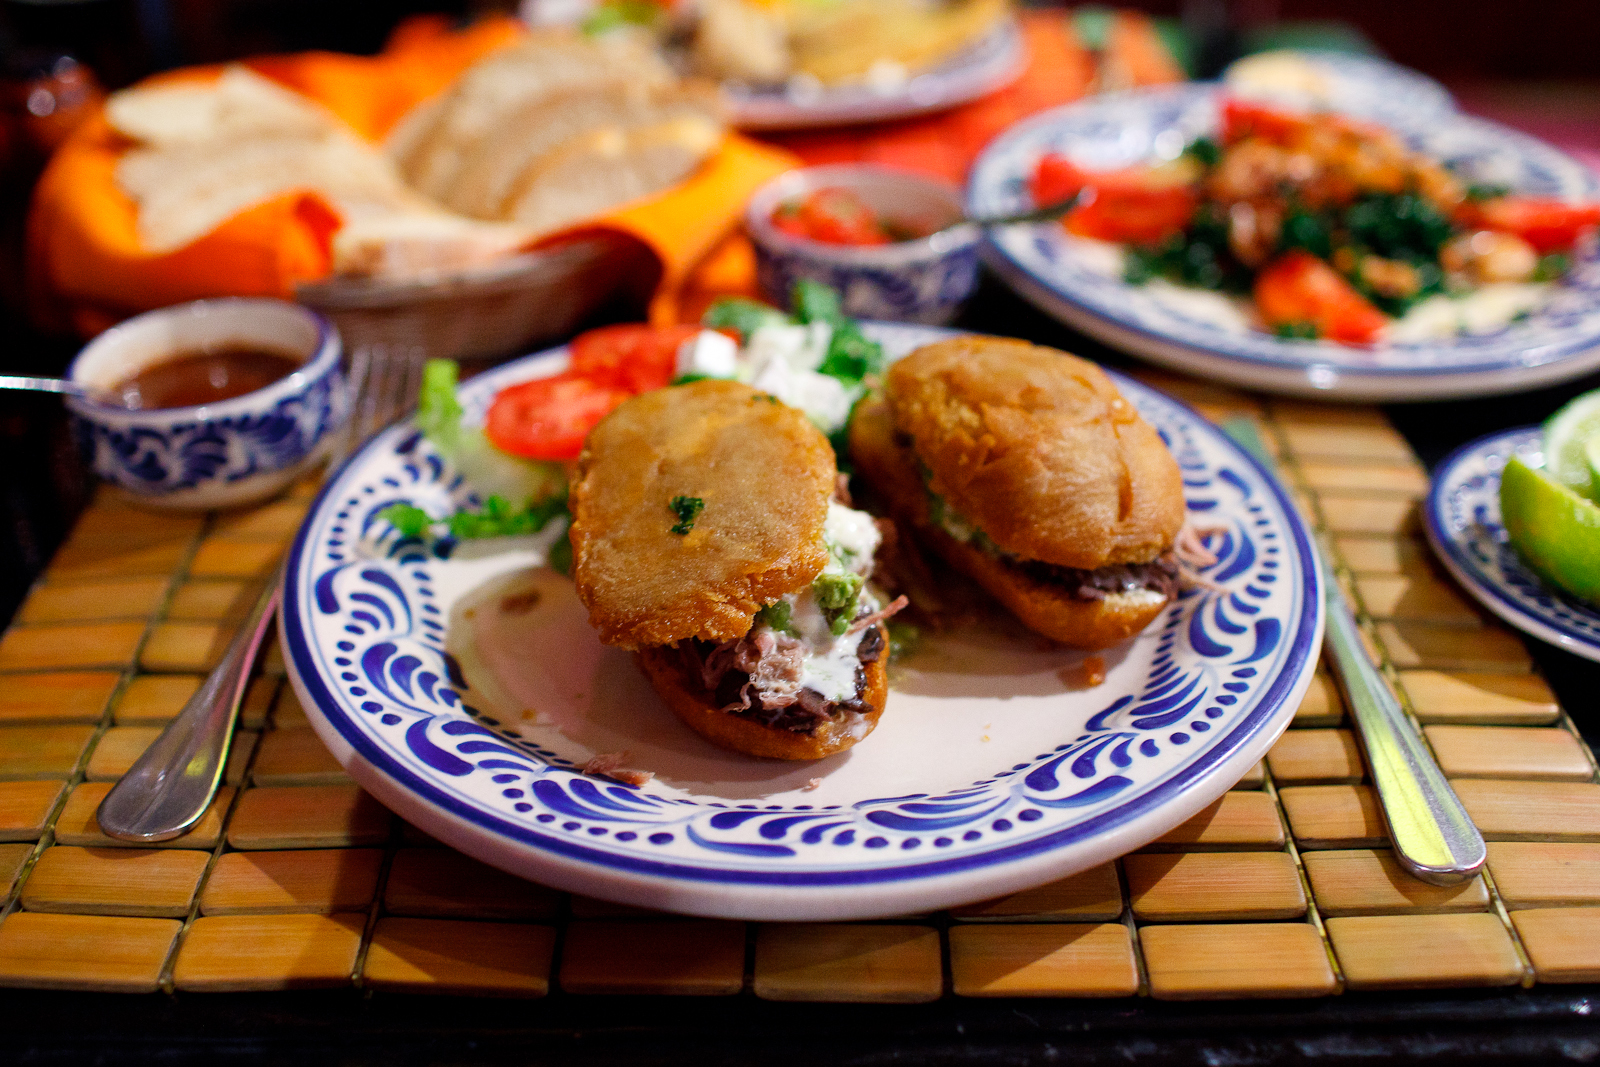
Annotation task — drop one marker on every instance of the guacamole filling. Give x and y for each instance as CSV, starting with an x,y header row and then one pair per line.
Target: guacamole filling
x,y
804,661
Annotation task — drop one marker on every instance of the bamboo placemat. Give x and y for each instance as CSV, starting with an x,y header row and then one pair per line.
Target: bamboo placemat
x,y
297,879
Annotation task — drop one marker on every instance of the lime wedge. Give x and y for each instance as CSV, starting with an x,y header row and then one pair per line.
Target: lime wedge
x,y
1553,529
1566,433
1592,450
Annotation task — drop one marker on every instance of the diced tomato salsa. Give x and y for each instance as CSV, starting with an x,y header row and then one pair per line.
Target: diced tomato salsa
x,y
837,216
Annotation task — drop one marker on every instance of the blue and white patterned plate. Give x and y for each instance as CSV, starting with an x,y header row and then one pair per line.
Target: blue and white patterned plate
x,y
1080,281
990,64
1356,84
463,692
1464,528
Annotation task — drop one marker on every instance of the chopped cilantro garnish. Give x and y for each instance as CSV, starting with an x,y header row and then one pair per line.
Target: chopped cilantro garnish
x,y
815,302
743,316
687,508
692,376
1204,151
1296,331
498,518
1551,267
560,555
1486,191
408,520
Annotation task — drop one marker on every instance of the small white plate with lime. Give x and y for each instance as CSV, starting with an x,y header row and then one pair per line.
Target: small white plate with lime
x,y
1514,517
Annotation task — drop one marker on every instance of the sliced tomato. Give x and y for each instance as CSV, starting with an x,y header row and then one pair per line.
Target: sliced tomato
x,y
548,418
1133,215
636,357
1055,179
1244,118
1299,290
1547,225
1136,205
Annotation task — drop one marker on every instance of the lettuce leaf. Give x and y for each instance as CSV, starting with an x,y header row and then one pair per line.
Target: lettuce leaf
x,y
489,471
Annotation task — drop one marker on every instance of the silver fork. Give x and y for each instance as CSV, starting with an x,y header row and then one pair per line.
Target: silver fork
x,y
171,785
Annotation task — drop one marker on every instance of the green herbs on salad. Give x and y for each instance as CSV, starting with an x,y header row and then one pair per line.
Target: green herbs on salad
x,y
520,496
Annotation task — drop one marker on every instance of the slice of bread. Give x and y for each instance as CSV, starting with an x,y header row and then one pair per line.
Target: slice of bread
x,y
690,702
497,170
419,244
611,166
432,150
1042,606
238,105
186,190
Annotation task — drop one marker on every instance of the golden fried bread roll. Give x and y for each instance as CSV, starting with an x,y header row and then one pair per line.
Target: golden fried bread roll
x,y
705,539
1026,469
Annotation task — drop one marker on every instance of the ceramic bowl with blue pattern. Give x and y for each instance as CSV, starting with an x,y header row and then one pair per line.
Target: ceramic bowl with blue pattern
x,y
1465,529
923,281
224,454
462,686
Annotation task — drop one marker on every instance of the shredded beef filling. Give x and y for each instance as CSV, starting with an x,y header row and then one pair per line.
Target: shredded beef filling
x,y
1162,575
758,676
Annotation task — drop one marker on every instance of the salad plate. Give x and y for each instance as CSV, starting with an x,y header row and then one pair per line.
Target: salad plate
x,y
989,64
1499,342
463,687
1464,527
1357,84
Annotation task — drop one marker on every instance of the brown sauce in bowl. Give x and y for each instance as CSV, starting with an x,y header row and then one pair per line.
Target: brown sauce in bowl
x,y
195,377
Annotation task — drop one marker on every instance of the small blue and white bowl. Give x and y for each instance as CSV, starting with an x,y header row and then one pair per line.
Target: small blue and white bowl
x,y
922,281
227,454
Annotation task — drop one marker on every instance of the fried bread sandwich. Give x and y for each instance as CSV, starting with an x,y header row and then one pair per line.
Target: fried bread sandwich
x,y
707,540
1025,469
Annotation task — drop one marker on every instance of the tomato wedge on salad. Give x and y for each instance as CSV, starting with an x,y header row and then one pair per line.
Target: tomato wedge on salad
x,y
1300,290
548,418
1547,225
635,356
1132,206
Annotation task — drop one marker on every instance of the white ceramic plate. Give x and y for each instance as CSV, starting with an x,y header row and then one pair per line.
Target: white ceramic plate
x,y
464,691
1464,528
990,64
1312,77
1080,281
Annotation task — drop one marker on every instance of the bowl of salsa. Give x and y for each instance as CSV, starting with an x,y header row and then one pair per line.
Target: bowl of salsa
x,y
209,404
891,242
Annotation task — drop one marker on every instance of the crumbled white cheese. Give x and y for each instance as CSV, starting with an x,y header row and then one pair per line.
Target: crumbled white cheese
x,y
824,398
830,662
852,537
713,354
803,348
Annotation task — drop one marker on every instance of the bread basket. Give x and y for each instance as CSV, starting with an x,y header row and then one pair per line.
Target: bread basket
x,y
487,314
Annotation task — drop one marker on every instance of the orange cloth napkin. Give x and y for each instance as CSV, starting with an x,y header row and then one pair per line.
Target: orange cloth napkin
x,y
86,263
